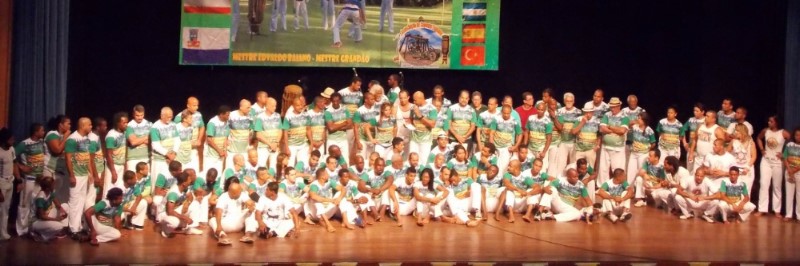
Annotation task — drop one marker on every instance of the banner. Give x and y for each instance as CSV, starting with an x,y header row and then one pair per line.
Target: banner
x,y
429,34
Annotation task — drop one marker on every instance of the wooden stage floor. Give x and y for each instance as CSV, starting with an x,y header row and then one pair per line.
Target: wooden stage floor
x,y
651,236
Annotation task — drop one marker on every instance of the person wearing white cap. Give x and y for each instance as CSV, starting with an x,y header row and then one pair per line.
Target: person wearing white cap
x,y
587,143
614,127
326,97
568,117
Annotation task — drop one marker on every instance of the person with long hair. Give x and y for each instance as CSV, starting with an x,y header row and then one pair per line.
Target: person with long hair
x,y
459,164
643,140
382,130
56,166
743,148
770,142
431,197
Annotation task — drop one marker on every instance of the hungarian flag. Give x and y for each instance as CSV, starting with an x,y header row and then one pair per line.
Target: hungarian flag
x,y
473,56
207,6
474,12
473,33
206,45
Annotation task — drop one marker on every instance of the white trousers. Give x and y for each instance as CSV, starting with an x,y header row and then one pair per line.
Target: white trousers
x,y
25,210
425,209
264,155
492,199
104,232
687,206
300,10
141,213
590,156
346,208
281,227
299,153
366,149
792,193
77,201
635,165
666,153
748,178
661,196
231,223
517,203
770,173
565,155
616,208
422,148
49,229
503,159
156,168
404,207
107,184
610,160
6,186
552,162
725,209
170,223
564,212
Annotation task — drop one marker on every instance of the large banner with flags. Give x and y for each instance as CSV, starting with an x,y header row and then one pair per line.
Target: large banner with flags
x,y
432,34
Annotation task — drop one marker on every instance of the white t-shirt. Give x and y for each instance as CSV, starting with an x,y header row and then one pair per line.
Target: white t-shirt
x,y
405,191
274,209
7,158
231,206
692,187
720,162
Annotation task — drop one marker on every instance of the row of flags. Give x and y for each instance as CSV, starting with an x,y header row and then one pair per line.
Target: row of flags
x,y
473,34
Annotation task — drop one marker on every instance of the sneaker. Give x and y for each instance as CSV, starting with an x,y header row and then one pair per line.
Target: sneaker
x,y
708,219
138,227
537,217
626,216
613,218
37,237
193,231
548,215
685,217
640,203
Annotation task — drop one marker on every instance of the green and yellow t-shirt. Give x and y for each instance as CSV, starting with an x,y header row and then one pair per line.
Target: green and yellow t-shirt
x,y
81,148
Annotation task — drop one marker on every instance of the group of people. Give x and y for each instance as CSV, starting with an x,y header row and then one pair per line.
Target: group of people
x,y
362,156
353,11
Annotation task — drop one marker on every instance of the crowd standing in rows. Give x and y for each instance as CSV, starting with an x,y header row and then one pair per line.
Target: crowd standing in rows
x,y
360,157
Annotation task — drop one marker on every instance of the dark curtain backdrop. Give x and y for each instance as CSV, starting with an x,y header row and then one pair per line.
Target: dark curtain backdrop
x,y
792,110
667,52
39,62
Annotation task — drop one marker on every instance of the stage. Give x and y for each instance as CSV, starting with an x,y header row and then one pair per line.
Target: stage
x,y
651,236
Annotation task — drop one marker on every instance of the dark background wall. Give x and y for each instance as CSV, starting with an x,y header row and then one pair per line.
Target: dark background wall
x,y
667,52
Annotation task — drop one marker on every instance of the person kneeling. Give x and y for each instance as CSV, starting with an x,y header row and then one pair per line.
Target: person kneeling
x,y
105,218
51,215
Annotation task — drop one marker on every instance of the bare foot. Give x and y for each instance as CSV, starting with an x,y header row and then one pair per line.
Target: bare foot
x,y
420,223
349,226
426,220
337,45
757,214
511,220
399,224
331,229
485,216
497,217
472,223
526,218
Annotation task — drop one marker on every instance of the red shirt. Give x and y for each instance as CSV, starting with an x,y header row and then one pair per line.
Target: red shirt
x,y
524,114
